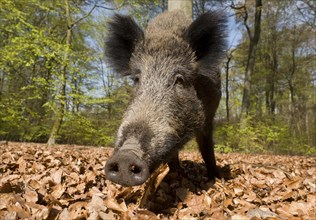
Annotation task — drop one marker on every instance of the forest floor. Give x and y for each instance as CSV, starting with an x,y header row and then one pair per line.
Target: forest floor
x,y
68,182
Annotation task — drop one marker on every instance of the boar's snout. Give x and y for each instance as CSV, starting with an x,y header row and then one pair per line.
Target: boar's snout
x,y
127,169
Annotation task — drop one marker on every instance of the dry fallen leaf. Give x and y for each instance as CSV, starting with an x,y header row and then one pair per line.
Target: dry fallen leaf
x,y
57,175
114,205
68,182
95,206
58,191
30,195
152,184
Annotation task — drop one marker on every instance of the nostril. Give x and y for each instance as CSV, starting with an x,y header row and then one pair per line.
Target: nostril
x,y
127,169
135,169
114,167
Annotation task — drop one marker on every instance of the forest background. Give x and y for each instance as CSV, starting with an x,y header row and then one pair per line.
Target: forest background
x,y
55,86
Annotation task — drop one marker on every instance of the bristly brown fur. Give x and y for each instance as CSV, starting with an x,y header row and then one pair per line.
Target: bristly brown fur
x,y
123,35
206,36
177,89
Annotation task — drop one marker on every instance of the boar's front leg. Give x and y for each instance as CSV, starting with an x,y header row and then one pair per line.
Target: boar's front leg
x,y
206,146
210,93
174,163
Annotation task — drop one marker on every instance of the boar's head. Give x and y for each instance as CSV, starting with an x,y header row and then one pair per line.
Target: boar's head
x,y
164,62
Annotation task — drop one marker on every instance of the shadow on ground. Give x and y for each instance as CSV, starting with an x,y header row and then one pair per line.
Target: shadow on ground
x,y
176,187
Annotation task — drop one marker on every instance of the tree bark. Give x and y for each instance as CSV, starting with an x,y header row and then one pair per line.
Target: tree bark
x,y
271,79
2,79
61,100
227,67
254,39
184,5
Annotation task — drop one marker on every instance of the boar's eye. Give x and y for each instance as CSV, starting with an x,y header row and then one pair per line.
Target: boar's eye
x,y
136,76
135,79
179,80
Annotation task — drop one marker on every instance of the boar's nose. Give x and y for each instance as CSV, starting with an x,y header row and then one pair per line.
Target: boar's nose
x,y
126,169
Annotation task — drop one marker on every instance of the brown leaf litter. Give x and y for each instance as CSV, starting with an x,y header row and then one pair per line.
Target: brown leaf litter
x,y
68,182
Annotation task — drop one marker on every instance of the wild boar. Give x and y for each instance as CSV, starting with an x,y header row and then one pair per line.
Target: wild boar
x,y
175,67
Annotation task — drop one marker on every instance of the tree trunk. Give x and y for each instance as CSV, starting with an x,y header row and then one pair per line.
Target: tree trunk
x,y
254,39
313,126
184,5
227,67
292,71
271,81
2,78
61,100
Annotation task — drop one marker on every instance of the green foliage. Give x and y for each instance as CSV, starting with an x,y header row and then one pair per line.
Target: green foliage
x,y
191,145
144,10
98,125
252,136
34,68
17,122
78,129
11,119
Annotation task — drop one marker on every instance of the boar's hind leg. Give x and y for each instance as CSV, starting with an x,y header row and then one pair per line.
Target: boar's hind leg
x,y
206,146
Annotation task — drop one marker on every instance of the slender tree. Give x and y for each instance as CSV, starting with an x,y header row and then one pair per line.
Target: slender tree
x,y
229,57
254,36
61,100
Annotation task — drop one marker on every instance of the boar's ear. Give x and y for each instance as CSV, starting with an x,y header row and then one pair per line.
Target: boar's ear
x,y
206,35
123,35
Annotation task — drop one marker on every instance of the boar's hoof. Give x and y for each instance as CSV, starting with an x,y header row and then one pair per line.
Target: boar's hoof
x,y
126,169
